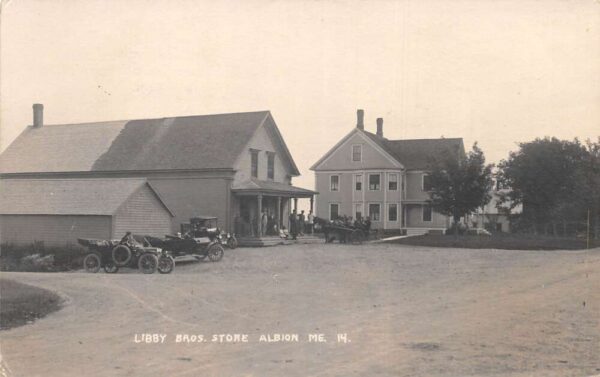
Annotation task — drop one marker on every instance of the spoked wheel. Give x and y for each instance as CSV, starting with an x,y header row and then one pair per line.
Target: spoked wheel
x,y
215,253
91,262
166,264
121,255
232,242
111,268
357,237
148,263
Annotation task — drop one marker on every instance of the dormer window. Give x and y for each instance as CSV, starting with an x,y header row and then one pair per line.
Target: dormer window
x,y
270,165
357,153
254,163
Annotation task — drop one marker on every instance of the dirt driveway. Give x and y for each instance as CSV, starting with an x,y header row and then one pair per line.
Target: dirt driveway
x,y
407,311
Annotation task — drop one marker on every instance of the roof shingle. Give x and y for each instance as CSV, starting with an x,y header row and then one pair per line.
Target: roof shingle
x,y
191,142
416,154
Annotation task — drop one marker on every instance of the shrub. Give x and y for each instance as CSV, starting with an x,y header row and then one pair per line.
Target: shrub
x,y
38,258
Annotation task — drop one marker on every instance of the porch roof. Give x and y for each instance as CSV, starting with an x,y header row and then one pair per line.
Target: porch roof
x,y
255,186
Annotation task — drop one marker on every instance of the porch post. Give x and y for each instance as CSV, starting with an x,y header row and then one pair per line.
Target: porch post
x,y
296,204
278,213
259,198
312,199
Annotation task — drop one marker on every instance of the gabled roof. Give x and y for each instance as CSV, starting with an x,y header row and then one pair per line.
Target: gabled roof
x,y
410,154
68,196
203,142
416,154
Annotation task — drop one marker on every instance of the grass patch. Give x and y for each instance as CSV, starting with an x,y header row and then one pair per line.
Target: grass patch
x,y
21,303
498,241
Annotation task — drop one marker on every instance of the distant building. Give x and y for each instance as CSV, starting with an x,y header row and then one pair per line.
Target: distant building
x,y
491,217
232,166
365,174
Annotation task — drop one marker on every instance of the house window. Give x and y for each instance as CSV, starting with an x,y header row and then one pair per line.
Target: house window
x,y
393,182
374,182
426,182
427,213
334,183
393,212
358,211
357,152
334,210
374,210
254,162
271,166
358,182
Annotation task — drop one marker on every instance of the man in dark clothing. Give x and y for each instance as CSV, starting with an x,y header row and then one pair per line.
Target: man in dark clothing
x,y
294,225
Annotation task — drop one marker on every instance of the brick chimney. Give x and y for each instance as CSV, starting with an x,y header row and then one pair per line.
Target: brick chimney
x,y
38,115
380,127
360,119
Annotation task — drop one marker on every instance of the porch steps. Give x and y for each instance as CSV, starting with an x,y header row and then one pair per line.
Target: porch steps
x,y
422,231
416,231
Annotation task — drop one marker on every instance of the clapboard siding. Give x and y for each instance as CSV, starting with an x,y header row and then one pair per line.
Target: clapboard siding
x,y
142,213
53,230
188,198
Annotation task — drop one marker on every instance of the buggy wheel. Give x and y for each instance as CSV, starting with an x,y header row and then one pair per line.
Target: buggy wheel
x,y
121,255
166,264
148,263
111,268
232,242
91,262
215,252
357,237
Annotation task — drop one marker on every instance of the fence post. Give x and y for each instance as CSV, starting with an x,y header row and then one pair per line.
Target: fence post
x,y
588,228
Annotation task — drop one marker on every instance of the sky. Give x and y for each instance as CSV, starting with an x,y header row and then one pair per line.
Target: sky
x,y
496,72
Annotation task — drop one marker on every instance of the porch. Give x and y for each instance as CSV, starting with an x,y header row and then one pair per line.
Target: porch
x,y
262,208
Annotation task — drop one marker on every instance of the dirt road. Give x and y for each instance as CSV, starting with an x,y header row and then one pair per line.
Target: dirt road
x,y
406,311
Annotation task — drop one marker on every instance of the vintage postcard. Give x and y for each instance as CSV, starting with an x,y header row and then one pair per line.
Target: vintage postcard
x,y
299,188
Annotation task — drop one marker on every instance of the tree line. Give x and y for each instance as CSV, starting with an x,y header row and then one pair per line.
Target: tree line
x,y
555,181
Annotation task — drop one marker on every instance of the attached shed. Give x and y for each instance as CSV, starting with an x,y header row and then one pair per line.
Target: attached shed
x,y
58,211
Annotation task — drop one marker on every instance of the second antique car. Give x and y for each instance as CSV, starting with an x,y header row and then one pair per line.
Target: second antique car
x,y
208,226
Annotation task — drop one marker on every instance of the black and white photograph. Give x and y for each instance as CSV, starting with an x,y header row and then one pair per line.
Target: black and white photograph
x,y
402,188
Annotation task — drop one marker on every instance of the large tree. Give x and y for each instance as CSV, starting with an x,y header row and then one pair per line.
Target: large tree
x,y
460,185
553,180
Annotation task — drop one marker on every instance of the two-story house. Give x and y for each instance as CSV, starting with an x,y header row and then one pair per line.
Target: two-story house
x,y
365,174
232,166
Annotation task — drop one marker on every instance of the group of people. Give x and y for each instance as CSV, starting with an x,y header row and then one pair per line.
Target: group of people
x,y
363,223
300,224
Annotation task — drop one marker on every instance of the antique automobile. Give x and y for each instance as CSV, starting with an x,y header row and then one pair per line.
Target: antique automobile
x,y
208,226
131,251
200,238
188,245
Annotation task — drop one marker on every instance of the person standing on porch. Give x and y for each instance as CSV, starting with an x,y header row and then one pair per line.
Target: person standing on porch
x,y
310,223
264,221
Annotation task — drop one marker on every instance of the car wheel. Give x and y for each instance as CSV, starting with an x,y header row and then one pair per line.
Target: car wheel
x,y
232,242
148,263
215,253
91,262
111,268
166,264
121,255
